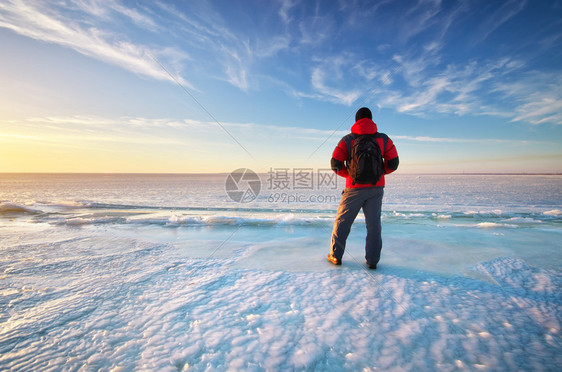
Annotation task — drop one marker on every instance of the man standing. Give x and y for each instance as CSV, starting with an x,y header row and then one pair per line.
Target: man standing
x,y
361,195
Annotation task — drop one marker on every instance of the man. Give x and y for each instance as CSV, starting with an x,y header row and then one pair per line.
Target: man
x,y
360,195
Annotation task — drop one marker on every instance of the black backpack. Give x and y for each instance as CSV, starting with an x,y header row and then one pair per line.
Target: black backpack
x,y
365,162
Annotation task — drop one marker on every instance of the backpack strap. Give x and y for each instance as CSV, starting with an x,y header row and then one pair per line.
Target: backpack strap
x,y
348,139
384,141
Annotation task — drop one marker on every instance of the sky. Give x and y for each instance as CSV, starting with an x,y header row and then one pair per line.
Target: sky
x,y
211,86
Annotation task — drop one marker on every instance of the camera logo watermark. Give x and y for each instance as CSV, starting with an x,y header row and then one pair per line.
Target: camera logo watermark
x,y
243,185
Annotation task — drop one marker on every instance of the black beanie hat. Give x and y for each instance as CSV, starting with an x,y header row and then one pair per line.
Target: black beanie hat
x,y
363,113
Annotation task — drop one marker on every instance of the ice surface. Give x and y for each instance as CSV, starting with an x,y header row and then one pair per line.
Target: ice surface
x,y
101,301
7,209
142,273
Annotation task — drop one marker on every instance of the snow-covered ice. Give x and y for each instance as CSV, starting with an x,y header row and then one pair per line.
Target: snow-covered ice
x,y
106,275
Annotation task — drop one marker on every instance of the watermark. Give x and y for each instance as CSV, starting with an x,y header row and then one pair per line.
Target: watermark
x,y
242,185
286,185
283,197
301,179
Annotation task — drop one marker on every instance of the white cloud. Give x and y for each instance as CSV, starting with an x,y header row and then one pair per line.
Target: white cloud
x,y
412,80
95,130
333,79
237,76
140,19
318,79
470,88
544,110
537,98
205,32
369,70
428,95
420,17
503,14
124,127
272,46
433,139
415,70
82,122
286,6
430,139
231,56
35,20
315,30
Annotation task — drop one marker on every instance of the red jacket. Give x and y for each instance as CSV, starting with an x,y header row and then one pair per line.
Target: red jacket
x,y
365,126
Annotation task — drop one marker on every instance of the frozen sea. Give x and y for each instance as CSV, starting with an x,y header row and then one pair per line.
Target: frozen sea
x,y
167,273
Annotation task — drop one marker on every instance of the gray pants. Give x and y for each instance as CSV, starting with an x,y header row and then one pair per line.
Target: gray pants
x,y
353,199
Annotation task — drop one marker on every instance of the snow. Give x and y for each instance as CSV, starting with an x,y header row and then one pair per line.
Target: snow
x,y
553,212
15,209
88,283
101,301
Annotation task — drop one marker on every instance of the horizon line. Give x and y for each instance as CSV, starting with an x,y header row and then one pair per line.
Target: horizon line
x,y
221,173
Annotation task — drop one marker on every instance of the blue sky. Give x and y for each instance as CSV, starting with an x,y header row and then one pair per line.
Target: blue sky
x,y
211,86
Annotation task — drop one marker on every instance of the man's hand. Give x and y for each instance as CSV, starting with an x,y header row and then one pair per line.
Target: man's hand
x,y
337,165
